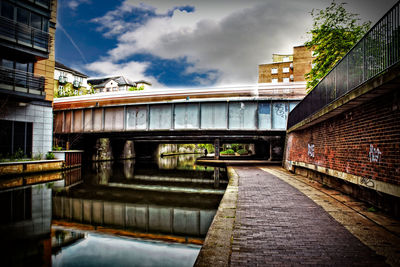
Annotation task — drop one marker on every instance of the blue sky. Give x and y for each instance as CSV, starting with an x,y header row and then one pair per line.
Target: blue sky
x,y
186,43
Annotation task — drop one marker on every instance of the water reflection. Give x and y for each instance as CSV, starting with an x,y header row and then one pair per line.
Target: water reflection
x,y
94,249
25,226
130,199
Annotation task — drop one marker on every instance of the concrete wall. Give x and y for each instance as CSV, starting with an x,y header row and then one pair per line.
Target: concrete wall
x,y
360,147
42,119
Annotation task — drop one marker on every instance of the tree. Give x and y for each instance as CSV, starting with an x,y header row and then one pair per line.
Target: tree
x,y
333,34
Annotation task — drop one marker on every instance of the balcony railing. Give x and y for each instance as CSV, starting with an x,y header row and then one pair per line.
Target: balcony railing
x,y
62,79
77,84
24,35
21,81
376,52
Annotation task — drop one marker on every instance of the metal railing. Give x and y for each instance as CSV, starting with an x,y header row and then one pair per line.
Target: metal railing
x,y
24,34
21,81
377,51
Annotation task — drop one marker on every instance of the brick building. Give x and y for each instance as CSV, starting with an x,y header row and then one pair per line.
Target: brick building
x,y
286,67
346,132
27,33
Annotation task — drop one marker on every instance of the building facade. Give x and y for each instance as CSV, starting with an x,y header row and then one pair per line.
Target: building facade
x,y
68,82
27,37
287,68
117,84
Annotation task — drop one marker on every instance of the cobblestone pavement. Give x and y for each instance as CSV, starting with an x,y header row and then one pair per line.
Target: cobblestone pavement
x,y
277,225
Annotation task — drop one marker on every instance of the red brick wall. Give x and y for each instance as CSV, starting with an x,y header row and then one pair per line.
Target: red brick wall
x,y
364,141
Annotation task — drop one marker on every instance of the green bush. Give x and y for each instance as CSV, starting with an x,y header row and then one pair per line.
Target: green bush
x,y
228,152
50,155
235,147
242,151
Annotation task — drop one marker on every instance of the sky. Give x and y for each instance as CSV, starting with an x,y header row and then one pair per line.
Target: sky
x,y
187,43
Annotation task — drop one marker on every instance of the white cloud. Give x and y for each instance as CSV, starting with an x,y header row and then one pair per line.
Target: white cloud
x,y
229,36
73,4
133,70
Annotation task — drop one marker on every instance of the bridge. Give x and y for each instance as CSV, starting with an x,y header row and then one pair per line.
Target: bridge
x,y
246,114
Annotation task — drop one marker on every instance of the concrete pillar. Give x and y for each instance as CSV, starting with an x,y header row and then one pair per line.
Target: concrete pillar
x,y
216,177
102,150
270,151
129,150
216,149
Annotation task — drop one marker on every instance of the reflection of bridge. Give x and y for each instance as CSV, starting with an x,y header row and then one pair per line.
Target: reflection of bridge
x,y
230,114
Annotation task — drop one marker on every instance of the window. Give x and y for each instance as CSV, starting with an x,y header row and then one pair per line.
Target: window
x,y
16,135
274,80
7,10
286,59
23,16
286,70
274,70
36,21
285,80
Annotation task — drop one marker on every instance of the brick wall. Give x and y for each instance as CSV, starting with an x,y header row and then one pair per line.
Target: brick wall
x,y
46,67
302,59
364,141
265,75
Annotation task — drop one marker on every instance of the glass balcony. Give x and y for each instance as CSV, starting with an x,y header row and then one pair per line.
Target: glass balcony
x,y
26,36
21,82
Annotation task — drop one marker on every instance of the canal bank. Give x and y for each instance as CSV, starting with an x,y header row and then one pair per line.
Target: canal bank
x,y
269,216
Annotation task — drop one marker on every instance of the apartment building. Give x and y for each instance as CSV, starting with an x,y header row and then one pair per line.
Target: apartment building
x,y
287,68
27,33
68,82
116,84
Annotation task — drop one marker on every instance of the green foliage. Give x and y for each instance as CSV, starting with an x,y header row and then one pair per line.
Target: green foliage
x,y
70,90
38,156
209,147
135,88
57,148
50,155
228,152
242,151
236,147
333,34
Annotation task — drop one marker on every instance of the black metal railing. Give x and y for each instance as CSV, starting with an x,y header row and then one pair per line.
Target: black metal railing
x,y
24,34
377,51
21,81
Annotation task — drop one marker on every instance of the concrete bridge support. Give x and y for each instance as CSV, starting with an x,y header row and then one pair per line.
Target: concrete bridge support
x,y
216,148
123,149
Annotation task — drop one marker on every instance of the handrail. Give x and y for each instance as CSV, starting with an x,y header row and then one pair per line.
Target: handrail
x,y
24,34
376,52
21,79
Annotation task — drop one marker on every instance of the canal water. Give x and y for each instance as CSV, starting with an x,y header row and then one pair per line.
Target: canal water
x,y
123,213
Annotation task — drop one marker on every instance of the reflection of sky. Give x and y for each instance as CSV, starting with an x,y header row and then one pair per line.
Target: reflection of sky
x,y
98,250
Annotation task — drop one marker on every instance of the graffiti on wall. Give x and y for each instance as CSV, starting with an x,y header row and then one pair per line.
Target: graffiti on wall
x,y
367,182
310,150
374,154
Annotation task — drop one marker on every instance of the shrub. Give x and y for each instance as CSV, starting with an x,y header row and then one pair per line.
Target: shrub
x,y
228,152
50,155
242,151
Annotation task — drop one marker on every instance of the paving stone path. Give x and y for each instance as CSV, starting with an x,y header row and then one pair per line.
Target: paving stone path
x,y
276,225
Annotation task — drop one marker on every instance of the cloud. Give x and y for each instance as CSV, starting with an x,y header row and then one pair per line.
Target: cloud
x,y
133,70
73,4
223,40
